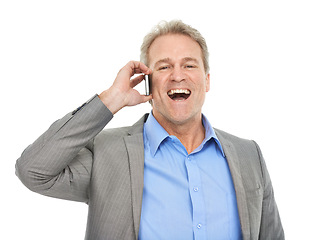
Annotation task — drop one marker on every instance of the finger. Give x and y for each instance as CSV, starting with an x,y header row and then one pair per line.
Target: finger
x,y
135,81
135,67
145,98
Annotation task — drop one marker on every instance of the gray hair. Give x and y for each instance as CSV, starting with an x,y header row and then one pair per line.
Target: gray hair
x,y
174,27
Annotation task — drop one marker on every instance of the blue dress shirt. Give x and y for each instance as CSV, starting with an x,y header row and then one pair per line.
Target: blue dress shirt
x,y
186,196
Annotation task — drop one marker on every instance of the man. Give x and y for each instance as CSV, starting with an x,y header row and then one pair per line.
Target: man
x,y
170,175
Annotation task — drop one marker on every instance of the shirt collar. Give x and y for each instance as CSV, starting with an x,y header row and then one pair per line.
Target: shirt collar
x,y
155,133
210,134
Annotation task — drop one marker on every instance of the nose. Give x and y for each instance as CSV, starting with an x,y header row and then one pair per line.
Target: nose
x,y
178,74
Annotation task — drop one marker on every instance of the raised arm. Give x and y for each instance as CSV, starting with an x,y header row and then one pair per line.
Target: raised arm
x,y
59,162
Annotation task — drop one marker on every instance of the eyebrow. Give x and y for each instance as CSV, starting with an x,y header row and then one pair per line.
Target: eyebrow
x,y
164,60
188,59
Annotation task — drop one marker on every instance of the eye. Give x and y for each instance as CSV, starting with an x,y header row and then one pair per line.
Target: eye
x,y
164,67
190,66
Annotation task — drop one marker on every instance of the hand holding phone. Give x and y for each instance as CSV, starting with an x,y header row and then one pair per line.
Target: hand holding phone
x,y
121,93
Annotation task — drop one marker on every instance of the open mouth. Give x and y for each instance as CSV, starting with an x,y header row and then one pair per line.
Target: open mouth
x,y
179,94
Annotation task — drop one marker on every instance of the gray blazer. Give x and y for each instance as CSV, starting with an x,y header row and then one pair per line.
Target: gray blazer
x,y
75,160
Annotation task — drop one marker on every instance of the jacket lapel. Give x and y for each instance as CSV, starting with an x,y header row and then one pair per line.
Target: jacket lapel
x,y
234,166
135,148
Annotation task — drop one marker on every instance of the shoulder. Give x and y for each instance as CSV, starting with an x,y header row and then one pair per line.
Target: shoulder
x,y
230,138
117,132
244,148
114,134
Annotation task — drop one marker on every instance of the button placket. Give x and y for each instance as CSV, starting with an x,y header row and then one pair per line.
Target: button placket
x,y
197,198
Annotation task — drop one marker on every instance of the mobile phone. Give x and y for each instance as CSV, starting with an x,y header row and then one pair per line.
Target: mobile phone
x,y
147,85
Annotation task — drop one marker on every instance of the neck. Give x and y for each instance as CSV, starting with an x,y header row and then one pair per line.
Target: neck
x,y
191,134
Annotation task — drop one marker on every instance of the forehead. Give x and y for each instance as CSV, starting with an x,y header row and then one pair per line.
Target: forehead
x,y
174,47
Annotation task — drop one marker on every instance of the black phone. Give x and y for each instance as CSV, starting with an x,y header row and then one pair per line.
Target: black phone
x,y
147,85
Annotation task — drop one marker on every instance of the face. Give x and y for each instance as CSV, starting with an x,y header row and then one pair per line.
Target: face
x,y
179,81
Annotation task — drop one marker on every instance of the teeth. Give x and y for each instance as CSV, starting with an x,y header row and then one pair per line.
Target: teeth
x,y
173,91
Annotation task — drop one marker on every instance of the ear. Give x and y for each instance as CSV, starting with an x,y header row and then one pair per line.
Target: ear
x,y
208,82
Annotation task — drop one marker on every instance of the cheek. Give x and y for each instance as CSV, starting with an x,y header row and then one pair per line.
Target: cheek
x,y
156,84
203,85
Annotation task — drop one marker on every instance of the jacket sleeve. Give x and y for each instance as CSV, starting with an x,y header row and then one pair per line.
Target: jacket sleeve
x,y
59,162
271,226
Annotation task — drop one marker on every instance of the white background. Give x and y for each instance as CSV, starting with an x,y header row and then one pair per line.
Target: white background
x,y
265,59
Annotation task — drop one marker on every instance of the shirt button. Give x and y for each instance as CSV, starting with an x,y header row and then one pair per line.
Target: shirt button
x,y
196,189
199,226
